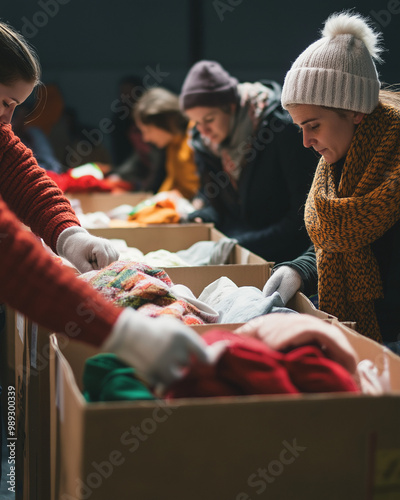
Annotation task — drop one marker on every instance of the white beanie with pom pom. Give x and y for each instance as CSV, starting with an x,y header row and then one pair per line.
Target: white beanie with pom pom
x,y
337,70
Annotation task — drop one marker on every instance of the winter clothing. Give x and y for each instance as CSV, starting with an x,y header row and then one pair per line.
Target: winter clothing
x,y
285,331
343,221
248,366
377,262
181,170
208,84
30,193
263,210
137,285
337,70
51,295
254,98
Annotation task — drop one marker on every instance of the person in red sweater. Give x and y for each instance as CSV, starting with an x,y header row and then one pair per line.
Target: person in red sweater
x,y
32,282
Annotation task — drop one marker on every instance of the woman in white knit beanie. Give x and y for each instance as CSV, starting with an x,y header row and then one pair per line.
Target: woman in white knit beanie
x,y
352,214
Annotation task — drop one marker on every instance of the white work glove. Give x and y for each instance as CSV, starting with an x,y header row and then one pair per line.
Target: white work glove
x,y
160,349
286,281
85,251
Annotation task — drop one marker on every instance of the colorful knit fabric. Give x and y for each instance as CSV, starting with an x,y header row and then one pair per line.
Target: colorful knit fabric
x,y
137,285
343,222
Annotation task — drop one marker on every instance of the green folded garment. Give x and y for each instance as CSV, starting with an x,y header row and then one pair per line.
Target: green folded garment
x,y
106,378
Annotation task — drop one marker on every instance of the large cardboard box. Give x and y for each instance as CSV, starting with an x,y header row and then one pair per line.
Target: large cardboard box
x,y
104,202
307,447
244,268
31,345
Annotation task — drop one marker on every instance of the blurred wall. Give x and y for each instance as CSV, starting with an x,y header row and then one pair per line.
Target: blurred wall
x,y
85,46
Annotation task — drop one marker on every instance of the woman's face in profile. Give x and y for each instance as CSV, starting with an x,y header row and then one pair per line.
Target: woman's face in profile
x,y
327,131
213,123
12,95
154,135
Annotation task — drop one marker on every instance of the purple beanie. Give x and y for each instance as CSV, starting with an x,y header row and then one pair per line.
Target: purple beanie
x,y
208,84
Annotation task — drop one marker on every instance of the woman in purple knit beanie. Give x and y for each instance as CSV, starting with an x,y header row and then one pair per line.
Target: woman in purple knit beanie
x,y
254,172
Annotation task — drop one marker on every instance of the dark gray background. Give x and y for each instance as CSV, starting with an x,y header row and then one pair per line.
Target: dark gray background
x,y
85,46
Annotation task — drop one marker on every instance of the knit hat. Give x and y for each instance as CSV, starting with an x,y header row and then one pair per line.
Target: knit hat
x,y
208,84
337,70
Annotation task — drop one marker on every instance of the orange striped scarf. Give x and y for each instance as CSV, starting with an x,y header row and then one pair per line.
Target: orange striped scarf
x,y
343,222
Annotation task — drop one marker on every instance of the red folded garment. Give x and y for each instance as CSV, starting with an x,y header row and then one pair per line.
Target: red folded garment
x,y
248,366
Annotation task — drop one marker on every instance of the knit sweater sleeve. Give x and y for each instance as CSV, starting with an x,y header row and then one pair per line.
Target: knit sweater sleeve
x,y
30,193
32,282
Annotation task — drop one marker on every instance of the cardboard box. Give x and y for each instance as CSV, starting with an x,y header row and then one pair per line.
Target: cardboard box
x,y
244,268
310,447
104,202
31,345
30,363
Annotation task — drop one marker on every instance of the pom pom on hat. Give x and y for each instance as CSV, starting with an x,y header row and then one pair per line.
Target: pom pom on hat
x,y
344,24
337,70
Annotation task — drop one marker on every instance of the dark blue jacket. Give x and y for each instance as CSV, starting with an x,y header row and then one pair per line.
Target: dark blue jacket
x,y
266,212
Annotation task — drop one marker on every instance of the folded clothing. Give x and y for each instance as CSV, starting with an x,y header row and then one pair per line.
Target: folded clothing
x,y
286,331
247,366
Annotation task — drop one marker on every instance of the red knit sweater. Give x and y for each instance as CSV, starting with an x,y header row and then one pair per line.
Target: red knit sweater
x,y
30,280
30,193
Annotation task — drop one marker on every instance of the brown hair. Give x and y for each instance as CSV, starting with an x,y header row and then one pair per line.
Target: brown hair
x,y
18,60
160,107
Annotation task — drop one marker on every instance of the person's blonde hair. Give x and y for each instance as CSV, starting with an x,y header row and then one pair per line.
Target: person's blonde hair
x,y
390,95
18,60
160,107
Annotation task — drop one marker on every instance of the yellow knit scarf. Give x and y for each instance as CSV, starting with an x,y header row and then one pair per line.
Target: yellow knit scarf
x,y
343,222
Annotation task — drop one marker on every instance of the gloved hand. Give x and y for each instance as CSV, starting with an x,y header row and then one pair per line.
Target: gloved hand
x,y
84,251
286,281
158,348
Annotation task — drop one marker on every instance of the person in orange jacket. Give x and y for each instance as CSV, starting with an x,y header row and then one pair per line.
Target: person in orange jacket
x,y
162,123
